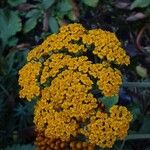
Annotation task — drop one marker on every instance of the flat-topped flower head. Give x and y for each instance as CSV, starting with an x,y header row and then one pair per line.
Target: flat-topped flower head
x,y
62,74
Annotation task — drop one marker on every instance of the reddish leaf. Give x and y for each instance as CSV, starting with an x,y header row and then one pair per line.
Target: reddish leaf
x,y
122,5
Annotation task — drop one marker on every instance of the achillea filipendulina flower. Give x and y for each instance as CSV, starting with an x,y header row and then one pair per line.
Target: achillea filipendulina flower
x,y
62,74
105,128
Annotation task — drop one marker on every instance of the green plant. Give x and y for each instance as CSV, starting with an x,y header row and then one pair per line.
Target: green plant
x,y
10,24
142,8
92,3
141,4
12,115
52,13
49,13
21,147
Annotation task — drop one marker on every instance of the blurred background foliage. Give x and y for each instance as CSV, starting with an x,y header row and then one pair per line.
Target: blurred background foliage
x,y
26,23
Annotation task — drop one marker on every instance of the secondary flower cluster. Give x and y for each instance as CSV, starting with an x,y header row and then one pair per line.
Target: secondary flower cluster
x,y
62,74
104,128
28,80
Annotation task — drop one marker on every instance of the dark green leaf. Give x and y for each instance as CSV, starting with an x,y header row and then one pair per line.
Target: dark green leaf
x,y
147,11
10,24
14,61
92,3
4,90
109,101
47,3
134,137
16,2
10,61
29,24
35,13
140,3
24,113
135,110
65,6
145,125
33,16
53,24
13,41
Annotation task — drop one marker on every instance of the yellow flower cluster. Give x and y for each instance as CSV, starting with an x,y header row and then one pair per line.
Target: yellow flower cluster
x,y
74,38
57,62
62,73
104,129
120,118
66,40
106,46
64,103
109,81
28,80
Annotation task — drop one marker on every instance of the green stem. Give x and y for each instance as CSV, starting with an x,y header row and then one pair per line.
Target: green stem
x,y
137,136
134,137
136,84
